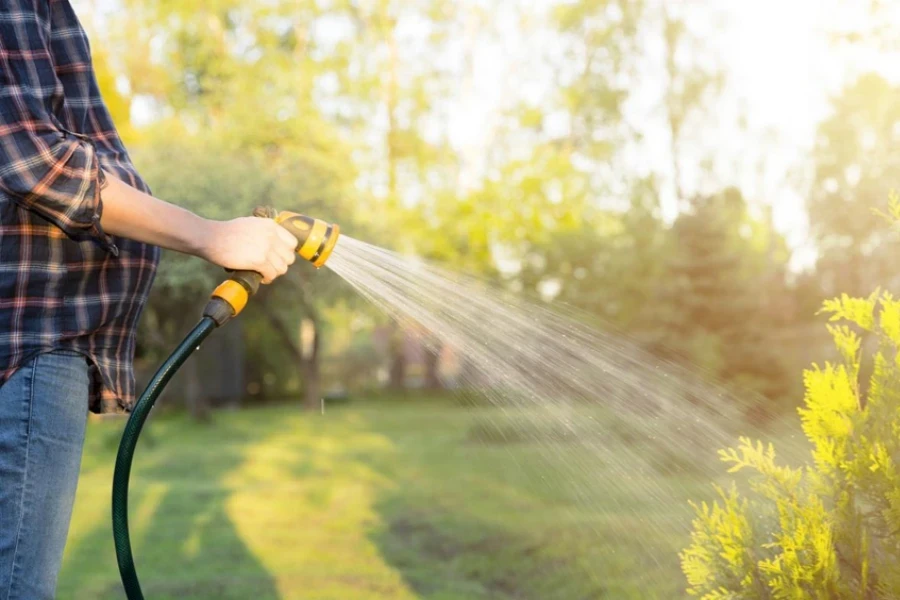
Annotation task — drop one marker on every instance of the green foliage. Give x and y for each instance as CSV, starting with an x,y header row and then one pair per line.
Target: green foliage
x,y
828,529
893,214
345,110
718,283
220,177
855,165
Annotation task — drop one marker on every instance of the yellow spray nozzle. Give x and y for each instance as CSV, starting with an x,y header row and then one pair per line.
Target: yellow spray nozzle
x,y
316,238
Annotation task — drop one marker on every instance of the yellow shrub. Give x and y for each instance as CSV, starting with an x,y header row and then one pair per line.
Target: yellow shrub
x,y
830,529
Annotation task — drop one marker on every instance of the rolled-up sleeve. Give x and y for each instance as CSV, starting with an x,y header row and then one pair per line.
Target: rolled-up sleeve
x,y
44,168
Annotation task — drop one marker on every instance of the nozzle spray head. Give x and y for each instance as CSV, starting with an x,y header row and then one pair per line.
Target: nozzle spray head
x,y
316,238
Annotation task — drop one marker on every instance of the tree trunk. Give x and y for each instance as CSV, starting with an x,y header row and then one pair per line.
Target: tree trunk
x,y
398,357
432,365
309,346
673,120
197,401
305,351
391,100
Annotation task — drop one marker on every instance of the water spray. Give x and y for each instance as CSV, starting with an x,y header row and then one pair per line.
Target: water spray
x,y
315,241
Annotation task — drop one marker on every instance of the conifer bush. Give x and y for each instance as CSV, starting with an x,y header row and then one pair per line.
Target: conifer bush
x,y
829,529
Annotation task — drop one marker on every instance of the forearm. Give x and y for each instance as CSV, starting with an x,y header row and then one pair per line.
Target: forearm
x,y
248,243
132,214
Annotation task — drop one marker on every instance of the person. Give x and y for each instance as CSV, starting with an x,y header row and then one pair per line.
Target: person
x,y
79,245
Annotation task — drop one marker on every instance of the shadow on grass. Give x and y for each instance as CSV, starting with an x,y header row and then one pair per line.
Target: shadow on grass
x,y
185,544
443,537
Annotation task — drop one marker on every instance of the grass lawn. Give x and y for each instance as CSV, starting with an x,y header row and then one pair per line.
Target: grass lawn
x,y
378,499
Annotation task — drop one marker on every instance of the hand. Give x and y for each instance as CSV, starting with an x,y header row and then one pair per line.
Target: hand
x,y
249,243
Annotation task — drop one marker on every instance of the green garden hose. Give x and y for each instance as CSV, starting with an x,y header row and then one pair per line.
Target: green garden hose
x,y
126,452
315,241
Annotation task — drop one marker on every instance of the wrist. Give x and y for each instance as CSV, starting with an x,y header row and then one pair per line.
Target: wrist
x,y
201,236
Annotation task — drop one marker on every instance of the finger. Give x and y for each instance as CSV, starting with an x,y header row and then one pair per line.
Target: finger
x,y
268,272
288,240
278,265
287,256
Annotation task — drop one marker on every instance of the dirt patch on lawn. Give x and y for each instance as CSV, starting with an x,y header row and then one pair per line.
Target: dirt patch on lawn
x,y
440,555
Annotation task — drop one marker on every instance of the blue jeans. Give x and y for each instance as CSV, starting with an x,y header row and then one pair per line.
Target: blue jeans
x,y
43,412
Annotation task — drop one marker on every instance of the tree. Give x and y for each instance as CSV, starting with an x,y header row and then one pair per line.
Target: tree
x,y
714,296
877,29
218,180
828,529
692,81
855,165
230,88
391,96
545,204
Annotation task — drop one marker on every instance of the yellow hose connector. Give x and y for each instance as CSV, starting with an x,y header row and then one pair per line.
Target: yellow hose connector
x,y
235,294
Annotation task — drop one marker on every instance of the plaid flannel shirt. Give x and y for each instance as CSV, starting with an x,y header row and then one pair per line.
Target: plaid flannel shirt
x,y
64,283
